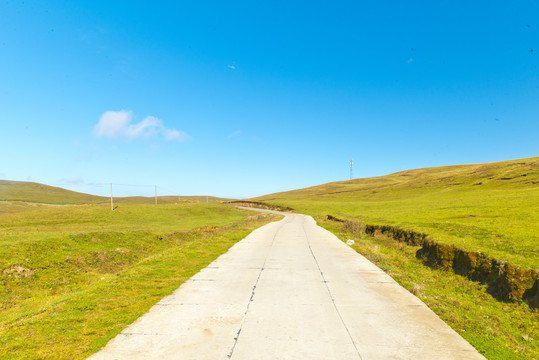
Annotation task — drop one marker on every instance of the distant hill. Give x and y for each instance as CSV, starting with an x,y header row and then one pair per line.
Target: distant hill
x,y
503,175
38,193
491,207
167,199
31,192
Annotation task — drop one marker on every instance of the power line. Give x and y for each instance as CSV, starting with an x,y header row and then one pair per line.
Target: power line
x,y
114,186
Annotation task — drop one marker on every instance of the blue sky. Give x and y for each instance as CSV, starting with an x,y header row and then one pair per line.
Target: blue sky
x,y
246,98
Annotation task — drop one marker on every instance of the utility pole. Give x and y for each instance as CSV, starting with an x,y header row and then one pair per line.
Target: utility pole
x,y
351,168
155,194
111,201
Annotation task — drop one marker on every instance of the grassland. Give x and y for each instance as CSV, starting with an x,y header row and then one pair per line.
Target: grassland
x,y
490,208
72,277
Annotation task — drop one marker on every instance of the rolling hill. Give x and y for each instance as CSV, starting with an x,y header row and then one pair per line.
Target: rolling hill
x,y
491,208
31,192
22,191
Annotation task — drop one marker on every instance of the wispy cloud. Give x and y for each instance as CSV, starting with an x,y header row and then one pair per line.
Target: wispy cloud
x,y
71,181
233,67
75,180
118,124
172,134
147,127
235,133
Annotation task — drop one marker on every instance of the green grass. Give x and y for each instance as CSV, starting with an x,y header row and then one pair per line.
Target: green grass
x,y
491,208
496,329
72,277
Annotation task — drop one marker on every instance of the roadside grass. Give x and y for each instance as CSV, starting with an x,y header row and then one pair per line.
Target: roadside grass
x,y
73,277
490,208
498,330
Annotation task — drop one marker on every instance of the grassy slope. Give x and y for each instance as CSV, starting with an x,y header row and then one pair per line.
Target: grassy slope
x,y
490,208
72,277
39,193
20,191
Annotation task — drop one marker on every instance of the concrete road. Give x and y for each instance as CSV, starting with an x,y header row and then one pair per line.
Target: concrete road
x,y
289,290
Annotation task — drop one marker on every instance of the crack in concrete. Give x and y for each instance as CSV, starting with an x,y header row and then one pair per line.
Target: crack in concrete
x,y
330,294
252,295
203,280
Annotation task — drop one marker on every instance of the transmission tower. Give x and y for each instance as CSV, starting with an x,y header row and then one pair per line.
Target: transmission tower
x,y
351,168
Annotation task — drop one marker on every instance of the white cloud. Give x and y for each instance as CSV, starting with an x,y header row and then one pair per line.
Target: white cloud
x,y
117,124
113,124
233,67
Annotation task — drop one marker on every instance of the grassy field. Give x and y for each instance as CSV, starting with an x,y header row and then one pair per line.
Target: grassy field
x,y
72,277
500,331
491,208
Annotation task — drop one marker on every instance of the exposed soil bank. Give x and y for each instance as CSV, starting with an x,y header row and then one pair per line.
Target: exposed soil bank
x,y
260,205
505,281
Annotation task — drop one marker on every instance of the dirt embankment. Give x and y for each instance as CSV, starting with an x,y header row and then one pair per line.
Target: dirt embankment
x,y
505,281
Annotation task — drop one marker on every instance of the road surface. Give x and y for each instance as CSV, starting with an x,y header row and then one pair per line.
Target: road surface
x,y
289,290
